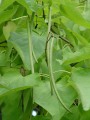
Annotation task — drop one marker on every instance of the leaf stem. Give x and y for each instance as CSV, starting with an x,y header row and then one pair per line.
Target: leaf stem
x,y
30,42
29,30
62,71
19,18
34,55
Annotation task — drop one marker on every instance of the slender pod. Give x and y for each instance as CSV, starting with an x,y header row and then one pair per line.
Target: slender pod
x,y
52,77
48,45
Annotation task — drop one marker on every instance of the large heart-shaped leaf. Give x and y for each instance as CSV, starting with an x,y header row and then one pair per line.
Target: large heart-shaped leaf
x,y
43,97
14,81
20,42
81,79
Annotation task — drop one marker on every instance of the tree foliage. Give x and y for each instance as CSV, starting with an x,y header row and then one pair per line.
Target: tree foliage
x,y
45,59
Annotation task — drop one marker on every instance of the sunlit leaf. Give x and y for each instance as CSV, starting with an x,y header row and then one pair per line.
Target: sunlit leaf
x,y
75,15
7,15
5,4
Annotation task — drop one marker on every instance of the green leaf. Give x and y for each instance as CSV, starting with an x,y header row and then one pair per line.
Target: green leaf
x,y
71,12
7,15
29,5
10,27
14,81
85,115
11,106
20,42
81,79
5,4
2,59
75,114
43,97
80,38
73,57
41,118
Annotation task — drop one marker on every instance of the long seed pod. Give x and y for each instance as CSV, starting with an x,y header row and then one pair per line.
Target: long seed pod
x,y
48,45
52,76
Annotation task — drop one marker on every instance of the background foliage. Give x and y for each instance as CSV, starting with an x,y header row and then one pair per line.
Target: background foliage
x,y
45,59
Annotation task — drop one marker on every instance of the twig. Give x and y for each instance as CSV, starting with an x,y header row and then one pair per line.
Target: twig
x,y
65,40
